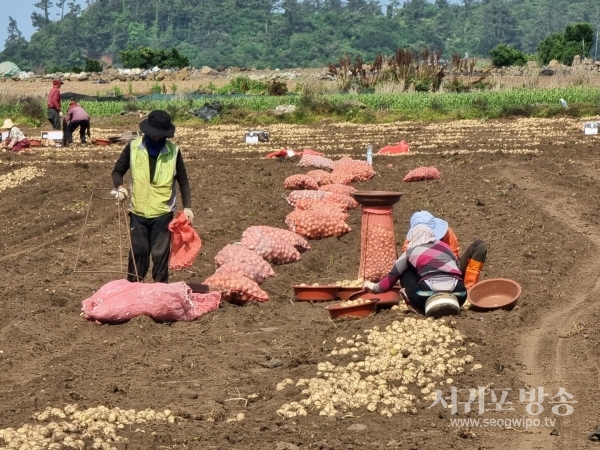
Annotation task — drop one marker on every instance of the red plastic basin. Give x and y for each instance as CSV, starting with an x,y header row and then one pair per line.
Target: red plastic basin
x,y
357,311
315,293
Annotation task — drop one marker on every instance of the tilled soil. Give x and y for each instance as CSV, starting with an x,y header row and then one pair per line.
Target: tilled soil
x,y
527,187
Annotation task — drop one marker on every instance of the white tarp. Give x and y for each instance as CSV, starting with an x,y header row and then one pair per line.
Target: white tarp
x,y
8,69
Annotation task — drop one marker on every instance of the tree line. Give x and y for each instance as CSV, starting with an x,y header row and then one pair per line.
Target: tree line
x,y
285,33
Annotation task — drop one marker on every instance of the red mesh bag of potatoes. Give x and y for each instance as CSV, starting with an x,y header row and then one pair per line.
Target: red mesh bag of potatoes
x,y
239,253
293,239
252,272
316,224
342,161
270,245
338,188
321,177
332,208
239,289
377,243
342,199
353,170
300,182
423,174
310,203
320,162
301,194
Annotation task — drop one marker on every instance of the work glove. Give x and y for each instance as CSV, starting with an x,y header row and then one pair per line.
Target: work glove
x,y
369,286
61,114
120,193
189,215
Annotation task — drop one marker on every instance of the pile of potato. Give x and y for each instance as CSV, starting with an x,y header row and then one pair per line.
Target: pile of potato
x,y
379,252
19,176
393,369
358,283
70,428
358,301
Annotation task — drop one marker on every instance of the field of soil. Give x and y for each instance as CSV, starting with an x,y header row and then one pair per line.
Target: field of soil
x,y
10,89
526,186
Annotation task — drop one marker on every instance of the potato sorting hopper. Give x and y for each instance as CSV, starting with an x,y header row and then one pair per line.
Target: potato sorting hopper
x,y
377,238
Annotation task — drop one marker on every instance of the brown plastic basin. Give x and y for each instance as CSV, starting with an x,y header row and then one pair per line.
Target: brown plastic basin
x,y
377,198
494,293
353,312
387,299
35,143
315,293
344,293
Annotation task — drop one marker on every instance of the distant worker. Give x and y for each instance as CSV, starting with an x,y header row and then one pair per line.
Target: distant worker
x,y
54,106
77,117
155,163
16,140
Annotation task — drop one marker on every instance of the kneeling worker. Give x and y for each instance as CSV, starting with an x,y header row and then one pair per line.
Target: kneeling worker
x,y
155,164
471,262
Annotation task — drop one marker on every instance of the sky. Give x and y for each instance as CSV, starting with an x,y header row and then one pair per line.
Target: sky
x,y
21,10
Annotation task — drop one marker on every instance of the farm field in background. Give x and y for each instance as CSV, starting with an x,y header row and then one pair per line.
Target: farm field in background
x,y
527,186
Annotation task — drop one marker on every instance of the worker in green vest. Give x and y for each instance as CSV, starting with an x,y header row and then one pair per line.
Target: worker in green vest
x,y
155,164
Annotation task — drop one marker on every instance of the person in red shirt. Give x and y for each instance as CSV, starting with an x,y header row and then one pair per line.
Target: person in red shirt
x,y
54,104
471,262
77,117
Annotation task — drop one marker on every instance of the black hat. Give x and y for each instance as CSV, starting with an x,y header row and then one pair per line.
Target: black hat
x,y
158,124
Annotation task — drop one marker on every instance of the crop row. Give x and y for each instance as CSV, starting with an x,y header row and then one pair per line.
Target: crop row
x,y
390,102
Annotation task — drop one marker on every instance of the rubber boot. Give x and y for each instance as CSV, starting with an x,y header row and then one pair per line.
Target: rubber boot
x,y
472,273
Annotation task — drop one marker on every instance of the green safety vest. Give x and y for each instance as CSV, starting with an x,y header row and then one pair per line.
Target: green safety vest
x,y
151,198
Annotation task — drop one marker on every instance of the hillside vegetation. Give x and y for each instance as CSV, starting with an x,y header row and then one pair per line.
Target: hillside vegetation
x,y
285,33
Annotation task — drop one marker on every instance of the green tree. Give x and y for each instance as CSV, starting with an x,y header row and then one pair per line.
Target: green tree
x,y
577,39
504,55
15,46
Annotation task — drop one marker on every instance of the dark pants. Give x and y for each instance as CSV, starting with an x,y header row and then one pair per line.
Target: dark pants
x,y
84,127
54,118
150,237
477,251
410,282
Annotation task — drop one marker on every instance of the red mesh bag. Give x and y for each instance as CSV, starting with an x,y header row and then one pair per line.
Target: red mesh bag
x,y
120,301
239,253
349,170
300,182
316,224
247,270
342,161
423,174
270,245
338,188
401,147
320,162
312,203
238,288
377,243
185,243
293,239
298,195
342,199
321,177
335,209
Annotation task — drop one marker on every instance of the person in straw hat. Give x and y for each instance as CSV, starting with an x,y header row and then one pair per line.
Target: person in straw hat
x,y
16,140
155,164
